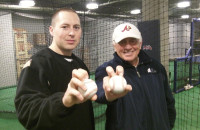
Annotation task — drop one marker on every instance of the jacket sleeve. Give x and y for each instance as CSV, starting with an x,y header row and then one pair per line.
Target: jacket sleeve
x,y
36,107
170,101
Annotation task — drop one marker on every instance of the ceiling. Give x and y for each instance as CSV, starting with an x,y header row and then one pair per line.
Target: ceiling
x,y
106,7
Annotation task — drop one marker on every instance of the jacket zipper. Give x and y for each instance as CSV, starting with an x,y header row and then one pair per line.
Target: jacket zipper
x,y
137,72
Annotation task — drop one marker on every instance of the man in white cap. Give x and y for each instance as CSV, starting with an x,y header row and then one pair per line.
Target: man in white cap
x,y
146,103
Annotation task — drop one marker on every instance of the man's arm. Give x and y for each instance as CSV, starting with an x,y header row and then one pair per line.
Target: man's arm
x,y
170,101
34,103
37,106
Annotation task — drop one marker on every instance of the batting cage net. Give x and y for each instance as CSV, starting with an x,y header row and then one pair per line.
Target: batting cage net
x,y
171,34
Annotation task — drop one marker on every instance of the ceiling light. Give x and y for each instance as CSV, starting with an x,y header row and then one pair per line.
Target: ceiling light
x,y
136,11
185,16
27,3
183,4
92,5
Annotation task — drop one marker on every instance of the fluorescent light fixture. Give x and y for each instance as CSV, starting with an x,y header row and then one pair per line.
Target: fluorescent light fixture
x,y
185,16
183,4
27,3
136,11
92,5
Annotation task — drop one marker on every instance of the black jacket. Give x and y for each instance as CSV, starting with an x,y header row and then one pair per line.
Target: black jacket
x,y
40,89
149,106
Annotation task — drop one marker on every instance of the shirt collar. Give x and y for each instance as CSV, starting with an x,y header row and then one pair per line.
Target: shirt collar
x,y
144,58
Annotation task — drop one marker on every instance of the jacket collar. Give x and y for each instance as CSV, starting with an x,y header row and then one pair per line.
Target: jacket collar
x,y
144,58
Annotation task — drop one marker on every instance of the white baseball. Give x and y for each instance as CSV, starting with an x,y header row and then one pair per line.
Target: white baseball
x,y
91,89
117,84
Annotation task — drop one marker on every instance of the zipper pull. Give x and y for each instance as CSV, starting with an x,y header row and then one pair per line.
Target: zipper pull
x,y
137,72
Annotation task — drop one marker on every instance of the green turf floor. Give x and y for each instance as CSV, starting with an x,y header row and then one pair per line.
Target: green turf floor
x,y
8,121
187,107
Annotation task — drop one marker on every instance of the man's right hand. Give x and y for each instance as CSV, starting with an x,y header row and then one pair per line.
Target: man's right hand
x,y
110,96
72,95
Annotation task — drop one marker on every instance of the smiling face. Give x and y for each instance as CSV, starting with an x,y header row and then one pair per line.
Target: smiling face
x,y
128,49
66,32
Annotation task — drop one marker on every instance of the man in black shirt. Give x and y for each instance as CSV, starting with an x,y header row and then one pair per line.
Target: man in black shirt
x,y
47,95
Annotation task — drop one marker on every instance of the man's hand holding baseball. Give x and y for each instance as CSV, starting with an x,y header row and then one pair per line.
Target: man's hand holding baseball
x,y
73,95
114,84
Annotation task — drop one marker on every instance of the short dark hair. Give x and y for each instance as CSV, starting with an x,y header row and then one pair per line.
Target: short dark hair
x,y
60,10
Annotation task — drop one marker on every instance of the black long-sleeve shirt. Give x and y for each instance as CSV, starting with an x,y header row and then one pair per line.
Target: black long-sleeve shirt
x,y
40,89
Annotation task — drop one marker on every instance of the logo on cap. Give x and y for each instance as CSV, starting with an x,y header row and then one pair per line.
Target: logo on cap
x,y
126,28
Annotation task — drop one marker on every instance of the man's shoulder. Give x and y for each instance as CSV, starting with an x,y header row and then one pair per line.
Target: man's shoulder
x,y
77,58
101,70
157,65
156,62
41,58
42,53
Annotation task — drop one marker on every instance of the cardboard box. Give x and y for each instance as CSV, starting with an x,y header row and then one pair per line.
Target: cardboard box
x,y
39,39
20,34
20,65
21,45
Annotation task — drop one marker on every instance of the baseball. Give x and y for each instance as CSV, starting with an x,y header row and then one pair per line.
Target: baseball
x,y
91,89
117,84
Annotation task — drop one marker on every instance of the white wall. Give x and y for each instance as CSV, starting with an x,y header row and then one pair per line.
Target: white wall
x,y
179,39
7,59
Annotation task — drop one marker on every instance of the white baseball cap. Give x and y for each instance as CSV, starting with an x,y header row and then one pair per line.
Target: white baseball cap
x,y
125,30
